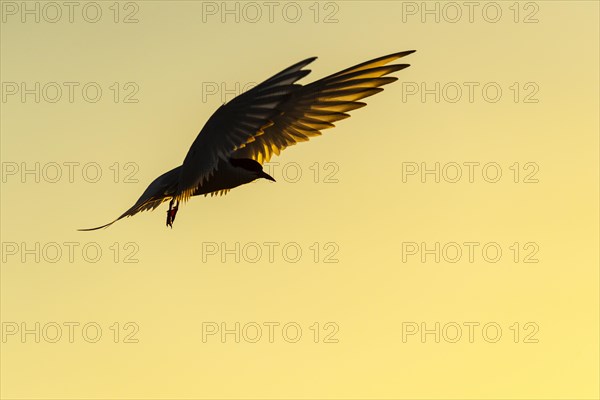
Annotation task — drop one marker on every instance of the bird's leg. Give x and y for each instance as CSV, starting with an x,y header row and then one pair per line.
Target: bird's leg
x,y
175,212
169,222
172,212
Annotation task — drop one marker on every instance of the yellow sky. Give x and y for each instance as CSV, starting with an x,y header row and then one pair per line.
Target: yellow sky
x,y
369,270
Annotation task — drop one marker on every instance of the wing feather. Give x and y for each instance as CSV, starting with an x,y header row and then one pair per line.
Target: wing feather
x,y
316,106
235,124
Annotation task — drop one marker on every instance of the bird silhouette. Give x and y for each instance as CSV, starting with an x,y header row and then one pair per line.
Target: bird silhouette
x,y
246,132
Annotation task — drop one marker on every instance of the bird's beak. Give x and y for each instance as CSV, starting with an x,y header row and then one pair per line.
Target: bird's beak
x,y
263,174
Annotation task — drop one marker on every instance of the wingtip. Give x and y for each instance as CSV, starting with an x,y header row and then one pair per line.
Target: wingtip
x,y
400,67
309,60
402,54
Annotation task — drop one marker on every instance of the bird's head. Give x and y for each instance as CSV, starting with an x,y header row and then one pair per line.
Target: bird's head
x,y
252,166
263,174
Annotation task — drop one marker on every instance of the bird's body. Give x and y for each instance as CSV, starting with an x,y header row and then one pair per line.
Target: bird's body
x,y
243,134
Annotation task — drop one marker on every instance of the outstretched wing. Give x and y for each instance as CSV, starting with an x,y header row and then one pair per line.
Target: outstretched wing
x,y
235,124
316,106
160,190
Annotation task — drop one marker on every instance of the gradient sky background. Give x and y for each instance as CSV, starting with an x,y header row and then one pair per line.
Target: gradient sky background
x,y
365,212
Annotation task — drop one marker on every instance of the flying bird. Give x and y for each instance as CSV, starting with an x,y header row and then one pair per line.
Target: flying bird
x,y
246,132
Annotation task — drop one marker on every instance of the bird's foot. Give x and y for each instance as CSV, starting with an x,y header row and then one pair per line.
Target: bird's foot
x,y
171,213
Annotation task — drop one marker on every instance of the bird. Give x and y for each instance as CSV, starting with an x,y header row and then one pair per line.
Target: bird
x,y
244,133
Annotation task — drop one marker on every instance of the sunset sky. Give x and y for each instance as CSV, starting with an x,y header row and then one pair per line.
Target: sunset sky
x,y
440,243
